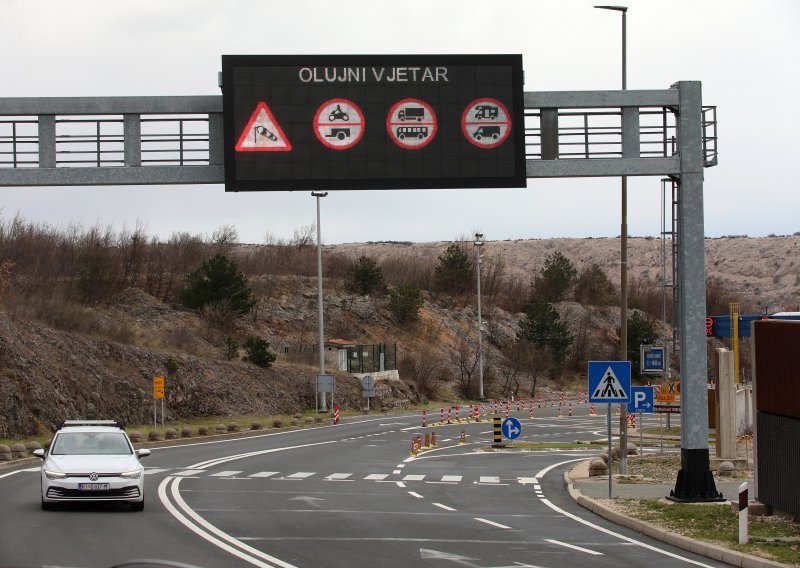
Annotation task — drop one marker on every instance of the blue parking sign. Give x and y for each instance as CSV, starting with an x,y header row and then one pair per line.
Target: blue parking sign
x,y
641,400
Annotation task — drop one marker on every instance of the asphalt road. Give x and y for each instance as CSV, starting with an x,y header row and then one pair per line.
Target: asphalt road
x,y
341,496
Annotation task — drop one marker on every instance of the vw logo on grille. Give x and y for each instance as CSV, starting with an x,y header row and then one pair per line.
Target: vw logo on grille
x,y
93,476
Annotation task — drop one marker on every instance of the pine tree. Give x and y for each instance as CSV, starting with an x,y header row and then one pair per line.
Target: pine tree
x,y
454,271
217,279
365,276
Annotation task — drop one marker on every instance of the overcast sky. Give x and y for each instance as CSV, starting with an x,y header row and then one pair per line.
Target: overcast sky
x,y
745,54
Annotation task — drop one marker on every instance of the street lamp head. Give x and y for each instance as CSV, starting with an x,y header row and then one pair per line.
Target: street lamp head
x,y
319,194
615,8
479,239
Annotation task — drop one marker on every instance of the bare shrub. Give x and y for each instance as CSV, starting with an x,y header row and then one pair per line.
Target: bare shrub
x,y
424,370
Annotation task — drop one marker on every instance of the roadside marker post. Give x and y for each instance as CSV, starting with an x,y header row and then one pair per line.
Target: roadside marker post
x,y
424,418
497,432
743,499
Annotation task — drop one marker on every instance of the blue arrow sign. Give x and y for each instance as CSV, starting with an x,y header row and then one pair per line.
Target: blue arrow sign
x,y
511,428
641,400
609,381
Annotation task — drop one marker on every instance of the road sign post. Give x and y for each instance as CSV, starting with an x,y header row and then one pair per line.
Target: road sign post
x,y
158,393
368,388
609,381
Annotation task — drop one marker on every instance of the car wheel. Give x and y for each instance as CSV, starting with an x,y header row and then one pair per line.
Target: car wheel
x,y
47,506
138,506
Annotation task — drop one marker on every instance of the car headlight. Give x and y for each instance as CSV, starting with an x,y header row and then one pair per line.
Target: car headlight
x,y
54,474
135,474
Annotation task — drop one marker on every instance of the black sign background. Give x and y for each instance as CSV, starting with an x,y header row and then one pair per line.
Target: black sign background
x,y
376,162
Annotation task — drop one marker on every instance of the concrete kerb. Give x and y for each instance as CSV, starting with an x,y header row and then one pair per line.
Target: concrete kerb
x,y
708,550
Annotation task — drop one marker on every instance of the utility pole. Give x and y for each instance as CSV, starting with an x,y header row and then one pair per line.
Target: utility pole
x,y
323,405
479,241
623,280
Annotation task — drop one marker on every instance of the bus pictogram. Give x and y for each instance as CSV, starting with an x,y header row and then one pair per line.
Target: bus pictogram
x,y
411,124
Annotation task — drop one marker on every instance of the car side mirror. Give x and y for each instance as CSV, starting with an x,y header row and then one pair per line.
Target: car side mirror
x,y
143,453
38,453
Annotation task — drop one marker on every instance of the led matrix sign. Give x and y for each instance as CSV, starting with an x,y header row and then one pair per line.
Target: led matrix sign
x,y
372,122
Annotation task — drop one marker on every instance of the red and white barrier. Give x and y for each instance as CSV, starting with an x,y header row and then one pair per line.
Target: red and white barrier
x,y
336,414
591,410
424,418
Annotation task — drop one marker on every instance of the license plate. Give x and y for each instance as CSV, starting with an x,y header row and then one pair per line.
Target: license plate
x,y
93,486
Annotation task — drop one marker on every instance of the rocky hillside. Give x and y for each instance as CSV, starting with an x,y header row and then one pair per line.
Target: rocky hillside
x,y
47,375
764,271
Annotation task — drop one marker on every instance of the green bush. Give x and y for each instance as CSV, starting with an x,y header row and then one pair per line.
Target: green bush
x,y
405,302
217,280
365,276
258,352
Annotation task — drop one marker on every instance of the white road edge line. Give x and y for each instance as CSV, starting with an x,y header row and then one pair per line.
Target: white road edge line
x,y
445,507
246,550
488,522
607,531
572,546
417,495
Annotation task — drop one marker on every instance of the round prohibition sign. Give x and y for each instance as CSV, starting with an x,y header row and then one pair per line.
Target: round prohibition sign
x,y
486,123
411,124
339,124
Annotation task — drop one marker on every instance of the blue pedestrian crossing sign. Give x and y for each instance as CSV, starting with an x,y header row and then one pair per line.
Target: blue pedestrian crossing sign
x,y
511,428
641,400
609,381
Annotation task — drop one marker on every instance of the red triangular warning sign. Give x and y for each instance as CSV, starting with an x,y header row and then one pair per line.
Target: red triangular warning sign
x,y
263,133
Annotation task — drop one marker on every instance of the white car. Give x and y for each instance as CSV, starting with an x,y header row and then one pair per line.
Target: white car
x,y
92,460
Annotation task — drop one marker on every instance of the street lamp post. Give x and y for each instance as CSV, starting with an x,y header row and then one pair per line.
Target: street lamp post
x,y
479,241
323,406
623,281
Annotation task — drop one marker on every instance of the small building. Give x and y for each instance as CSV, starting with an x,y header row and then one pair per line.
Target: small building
x,y
355,358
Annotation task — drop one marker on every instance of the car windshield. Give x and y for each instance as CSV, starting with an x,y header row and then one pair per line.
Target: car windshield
x,y
91,443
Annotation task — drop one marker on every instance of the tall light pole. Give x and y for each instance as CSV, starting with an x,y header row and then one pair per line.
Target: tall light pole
x,y
479,241
623,277
323,406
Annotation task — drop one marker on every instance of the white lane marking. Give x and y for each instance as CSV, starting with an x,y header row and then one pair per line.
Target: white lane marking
x,y
224,474
451,478
445,507
10,473
397,472
300,475
492,523
607,531
417,495
527,480
265,474
33,469
413,478
573,547
205,534
376,476
155,470
188,472
489,479
218,461
339,477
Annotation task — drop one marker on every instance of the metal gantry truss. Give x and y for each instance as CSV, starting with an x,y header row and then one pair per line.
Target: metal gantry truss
x,y
178,140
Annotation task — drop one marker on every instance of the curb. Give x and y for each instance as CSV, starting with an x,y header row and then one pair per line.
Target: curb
x,y
713,551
